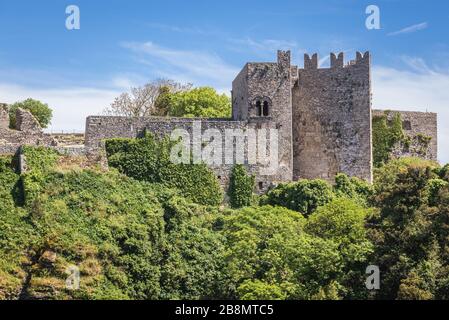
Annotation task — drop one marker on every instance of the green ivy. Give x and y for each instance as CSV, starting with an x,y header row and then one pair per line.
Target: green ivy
x,y
386,134
148,159
39,160
389,133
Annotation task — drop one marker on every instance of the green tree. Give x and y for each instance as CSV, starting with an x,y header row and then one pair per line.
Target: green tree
x,y
259,290
405,230
303,196
241,187
203,102
353,188
270,255
41,111
192,267
343,222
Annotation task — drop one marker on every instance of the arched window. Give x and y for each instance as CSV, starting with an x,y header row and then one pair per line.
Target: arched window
x,y
266,108
259,108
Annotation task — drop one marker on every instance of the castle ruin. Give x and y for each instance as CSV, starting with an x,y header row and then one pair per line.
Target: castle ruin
x,y
323,117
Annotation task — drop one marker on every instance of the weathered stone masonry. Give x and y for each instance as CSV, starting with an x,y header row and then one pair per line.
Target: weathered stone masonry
x,y
332,119
418,126
323,116
27,132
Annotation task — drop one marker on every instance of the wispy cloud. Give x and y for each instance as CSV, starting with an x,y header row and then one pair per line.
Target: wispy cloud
x,y
198,67
182,29
266,44
410,29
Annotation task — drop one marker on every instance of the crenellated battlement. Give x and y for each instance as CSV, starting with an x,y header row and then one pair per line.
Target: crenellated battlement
x,y
336,61
311,63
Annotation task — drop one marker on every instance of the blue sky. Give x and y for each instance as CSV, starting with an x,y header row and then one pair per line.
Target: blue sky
x,y
126,43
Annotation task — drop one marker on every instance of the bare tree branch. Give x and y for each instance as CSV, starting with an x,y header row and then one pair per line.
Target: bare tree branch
x,y
140,101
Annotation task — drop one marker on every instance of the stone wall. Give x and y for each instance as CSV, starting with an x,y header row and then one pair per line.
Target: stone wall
x,y
101,128
332,119
4,116
418,126
28,132
267,87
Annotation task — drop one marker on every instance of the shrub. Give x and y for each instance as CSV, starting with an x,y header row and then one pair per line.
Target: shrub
x,y
303,196
108,225
16,234
148,159
192,266
39,160
353,188
241,187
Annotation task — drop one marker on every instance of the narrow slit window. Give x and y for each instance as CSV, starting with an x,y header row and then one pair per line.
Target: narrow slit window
x,y
265,109
259,108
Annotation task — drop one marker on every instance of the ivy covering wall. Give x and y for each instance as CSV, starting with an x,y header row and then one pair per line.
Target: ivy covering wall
x,y
388,135
148,159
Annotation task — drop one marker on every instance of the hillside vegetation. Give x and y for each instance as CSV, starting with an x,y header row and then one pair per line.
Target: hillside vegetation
x,y
147,229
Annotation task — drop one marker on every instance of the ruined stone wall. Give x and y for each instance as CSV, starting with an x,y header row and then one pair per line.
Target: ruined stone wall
x,y
332,119
4,116
419,127
101,128
28,132
240,101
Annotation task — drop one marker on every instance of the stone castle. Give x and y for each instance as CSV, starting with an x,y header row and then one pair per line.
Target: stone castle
x,y
323,117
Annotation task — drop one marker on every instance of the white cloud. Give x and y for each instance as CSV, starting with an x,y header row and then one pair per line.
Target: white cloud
x,y
70,106
199,68
410,29
421,89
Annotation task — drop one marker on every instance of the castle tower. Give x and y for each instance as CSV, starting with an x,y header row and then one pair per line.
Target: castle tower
x,y
332,119
261,95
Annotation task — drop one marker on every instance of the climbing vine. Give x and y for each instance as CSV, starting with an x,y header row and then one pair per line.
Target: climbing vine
x,y
148,159
389,134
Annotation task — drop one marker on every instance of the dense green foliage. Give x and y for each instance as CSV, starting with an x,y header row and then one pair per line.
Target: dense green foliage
x,y
146,238
303,196
39,110
410,230
38,162
148,159
203,102
241,187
